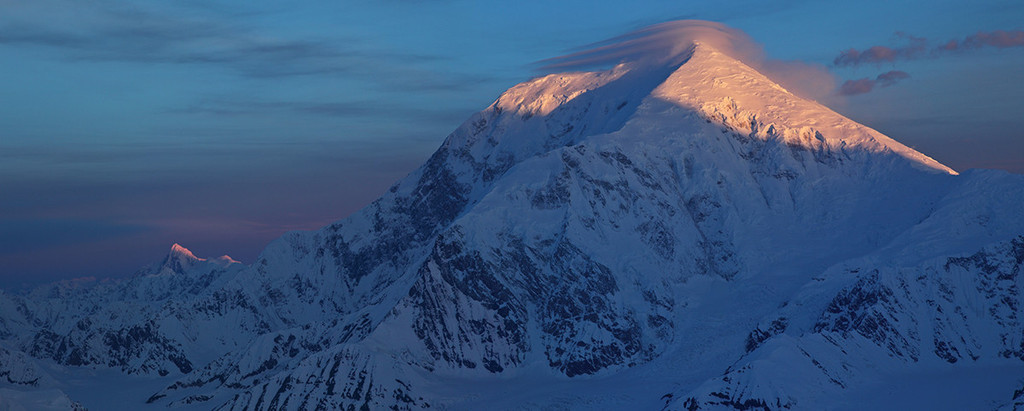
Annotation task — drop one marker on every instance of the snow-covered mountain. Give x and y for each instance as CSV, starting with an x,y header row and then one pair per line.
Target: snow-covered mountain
x,y
687,235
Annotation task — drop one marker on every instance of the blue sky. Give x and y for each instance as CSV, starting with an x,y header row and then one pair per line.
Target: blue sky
x,y
126,126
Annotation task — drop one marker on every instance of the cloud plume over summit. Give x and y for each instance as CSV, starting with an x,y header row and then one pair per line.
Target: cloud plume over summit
x,y
670,42
663,43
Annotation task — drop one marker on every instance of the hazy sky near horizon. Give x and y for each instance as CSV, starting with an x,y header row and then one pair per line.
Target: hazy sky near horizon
x,y
127,126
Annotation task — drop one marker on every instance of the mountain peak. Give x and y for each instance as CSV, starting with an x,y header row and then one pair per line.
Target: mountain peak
x,y
180,259
226,260
177,251
704,67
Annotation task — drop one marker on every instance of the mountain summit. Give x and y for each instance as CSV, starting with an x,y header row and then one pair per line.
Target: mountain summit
x,y
685,236
180,259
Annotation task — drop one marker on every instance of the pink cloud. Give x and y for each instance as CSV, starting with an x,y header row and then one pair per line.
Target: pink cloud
x,y
866,85
859,86
999,39
891,77
917,47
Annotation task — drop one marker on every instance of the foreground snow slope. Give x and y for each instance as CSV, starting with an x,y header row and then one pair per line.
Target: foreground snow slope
x,y
686,235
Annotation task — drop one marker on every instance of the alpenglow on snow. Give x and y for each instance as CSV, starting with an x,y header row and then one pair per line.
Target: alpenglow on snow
x,y
675,232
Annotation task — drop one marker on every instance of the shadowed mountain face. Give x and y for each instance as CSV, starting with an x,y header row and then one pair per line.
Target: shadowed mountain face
x,y
686,235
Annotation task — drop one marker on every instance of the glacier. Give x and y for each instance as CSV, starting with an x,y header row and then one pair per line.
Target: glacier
x,y
685,235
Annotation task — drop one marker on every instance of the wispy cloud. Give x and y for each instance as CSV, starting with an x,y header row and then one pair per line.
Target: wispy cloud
x,y
915,47
919,47
232,107
370,109
891,77
866,85
128,33
998,39
855,87
25,235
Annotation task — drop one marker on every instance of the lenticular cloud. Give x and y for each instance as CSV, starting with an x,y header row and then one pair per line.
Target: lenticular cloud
x,y
667,42
670,43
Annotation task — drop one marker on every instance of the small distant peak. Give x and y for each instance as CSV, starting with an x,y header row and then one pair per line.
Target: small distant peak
x,y
181,252
226,260
180,259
